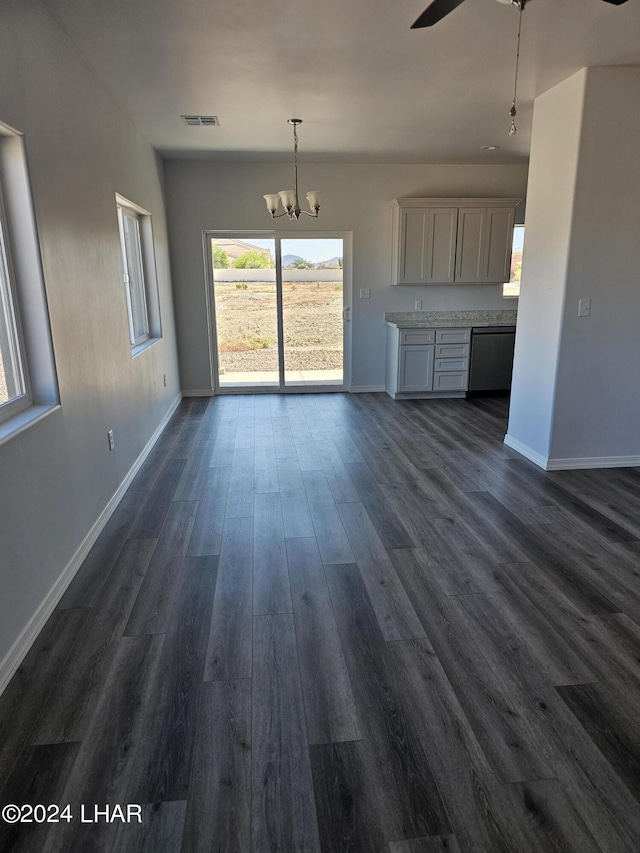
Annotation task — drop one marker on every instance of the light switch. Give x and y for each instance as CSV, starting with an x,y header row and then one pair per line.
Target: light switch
x,y
584,307
365,293
418,305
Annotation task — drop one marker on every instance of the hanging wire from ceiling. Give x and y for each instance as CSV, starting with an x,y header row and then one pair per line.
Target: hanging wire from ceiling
x,y
512,112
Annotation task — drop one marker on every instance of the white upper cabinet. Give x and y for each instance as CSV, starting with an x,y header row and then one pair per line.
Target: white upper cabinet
x,y
428,245
413,252
442,227
498,240
446,241
471,246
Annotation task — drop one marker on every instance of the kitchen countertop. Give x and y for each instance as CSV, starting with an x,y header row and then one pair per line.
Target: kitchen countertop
x,y
449,319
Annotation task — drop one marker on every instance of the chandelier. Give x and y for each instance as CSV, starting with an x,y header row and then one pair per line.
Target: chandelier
x,y
289,198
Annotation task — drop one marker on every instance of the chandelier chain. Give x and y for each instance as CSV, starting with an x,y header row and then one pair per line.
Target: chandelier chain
x,y
295,162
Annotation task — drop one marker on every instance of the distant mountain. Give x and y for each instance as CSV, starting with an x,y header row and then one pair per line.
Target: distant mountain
x,y
289,260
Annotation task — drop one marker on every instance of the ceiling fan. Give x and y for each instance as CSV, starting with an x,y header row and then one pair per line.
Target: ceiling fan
x,y
437,10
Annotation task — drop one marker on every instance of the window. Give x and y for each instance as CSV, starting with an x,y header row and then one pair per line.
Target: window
x,y
138,262
14,394
512,287
28,385
131,244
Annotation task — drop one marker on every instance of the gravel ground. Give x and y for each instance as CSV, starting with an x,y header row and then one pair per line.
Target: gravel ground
x,y
247,328
4,394
246,321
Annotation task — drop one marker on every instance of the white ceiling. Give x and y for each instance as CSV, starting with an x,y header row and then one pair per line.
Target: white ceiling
x,y
367,86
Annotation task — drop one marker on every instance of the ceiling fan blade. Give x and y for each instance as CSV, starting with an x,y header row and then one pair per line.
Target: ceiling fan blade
x,y
616,2
437,11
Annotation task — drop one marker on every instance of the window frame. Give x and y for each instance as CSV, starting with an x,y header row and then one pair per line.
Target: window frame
x,y
130,277
26,285
145,251
8,293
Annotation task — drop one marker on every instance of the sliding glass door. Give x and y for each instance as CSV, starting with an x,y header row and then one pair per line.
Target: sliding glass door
x,y
313,310
246,313
280,311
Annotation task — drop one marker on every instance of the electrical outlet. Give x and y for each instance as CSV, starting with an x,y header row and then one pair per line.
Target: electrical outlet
x,y
418,305
112,441
365,293
584,308
164,379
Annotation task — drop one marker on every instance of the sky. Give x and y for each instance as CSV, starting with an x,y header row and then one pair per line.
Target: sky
x,y
518,238
313,250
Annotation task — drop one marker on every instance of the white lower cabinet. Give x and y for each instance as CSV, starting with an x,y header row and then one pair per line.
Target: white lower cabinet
x,y
427,362
415,371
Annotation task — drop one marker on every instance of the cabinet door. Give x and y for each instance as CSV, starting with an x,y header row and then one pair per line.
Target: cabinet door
x,y
442,227
471,248
499,241
412,248
415,368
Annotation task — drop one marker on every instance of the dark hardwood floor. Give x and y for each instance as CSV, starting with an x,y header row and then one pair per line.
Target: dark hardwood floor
x,y
341,624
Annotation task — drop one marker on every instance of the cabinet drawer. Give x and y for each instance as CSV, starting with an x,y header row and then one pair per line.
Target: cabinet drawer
x,y
452,350
453,336
417,336
460,365
453,381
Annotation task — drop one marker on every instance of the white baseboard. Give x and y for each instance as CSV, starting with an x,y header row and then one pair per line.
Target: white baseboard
x,y
36,623
571,463
530,454
198,392
366,389
576,462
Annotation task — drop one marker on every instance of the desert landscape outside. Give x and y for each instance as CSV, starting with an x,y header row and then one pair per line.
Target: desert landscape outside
x,y
245,293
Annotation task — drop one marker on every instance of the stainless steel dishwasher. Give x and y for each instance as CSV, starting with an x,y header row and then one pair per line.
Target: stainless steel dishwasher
x,y
491,358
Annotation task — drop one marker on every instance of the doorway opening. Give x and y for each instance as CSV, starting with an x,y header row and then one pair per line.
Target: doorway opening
x,y
280,311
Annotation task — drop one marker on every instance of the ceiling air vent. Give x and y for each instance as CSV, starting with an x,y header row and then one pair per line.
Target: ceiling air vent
x,y
200,121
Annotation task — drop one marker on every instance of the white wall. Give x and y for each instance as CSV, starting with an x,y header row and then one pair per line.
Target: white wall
x,y
228,196
552,173
58,475
575,400
598,386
